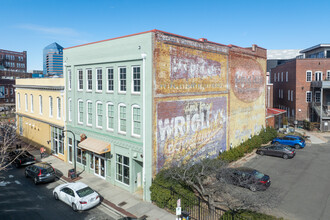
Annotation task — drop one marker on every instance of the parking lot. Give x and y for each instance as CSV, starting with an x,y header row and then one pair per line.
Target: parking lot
x,y
302,183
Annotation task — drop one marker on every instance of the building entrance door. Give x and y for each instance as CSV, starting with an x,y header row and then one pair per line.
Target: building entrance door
x,y
99,166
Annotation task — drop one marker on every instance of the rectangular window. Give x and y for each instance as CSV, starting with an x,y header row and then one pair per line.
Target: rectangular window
x,y
292,112
278,77
11,91
70,79
289,95
70,110
110,80
292,95
317,96
318,76
80,80
279,93
32,109
122,79
274,77
58,140
40,104
89,80
111,116
308,96
19,101
328,72
99,115
50,106
136,79
81,156
89,113
122,118
308,76
26,103
59,109
287,76
282,93
136,121
81,112
282,76
99,79
122,169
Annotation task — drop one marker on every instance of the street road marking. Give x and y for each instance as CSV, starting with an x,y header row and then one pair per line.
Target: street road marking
x,y
17,182
3,183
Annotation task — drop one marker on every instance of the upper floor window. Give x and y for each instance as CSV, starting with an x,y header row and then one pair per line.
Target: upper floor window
x,y
32,109
282,76
59,108
286,76
80,80
19,101
110,80
136,116
289,96
308,76
110,116
50,106
274,77
136,81
11,91
70,79
80,111
122,118
317,96
122,79
318,76
308,96
99,112
328,73
292,95
70,109
89,113
89,79
40,104
99,80
278,77
26,103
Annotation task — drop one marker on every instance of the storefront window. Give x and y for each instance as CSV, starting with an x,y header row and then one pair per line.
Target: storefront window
x,y
122,169
81,156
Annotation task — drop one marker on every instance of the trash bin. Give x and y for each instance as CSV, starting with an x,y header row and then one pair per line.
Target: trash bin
x,y
185,215
71,174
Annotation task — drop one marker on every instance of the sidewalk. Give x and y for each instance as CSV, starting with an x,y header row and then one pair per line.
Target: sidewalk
x,y
314,137
116,199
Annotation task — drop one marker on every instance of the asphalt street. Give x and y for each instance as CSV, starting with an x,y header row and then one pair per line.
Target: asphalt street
x,y
21,199
301,184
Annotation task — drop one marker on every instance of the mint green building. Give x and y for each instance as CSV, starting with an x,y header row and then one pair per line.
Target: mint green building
x,y
106,111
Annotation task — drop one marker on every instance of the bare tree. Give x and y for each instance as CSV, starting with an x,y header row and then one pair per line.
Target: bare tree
x,y
9,141
210,180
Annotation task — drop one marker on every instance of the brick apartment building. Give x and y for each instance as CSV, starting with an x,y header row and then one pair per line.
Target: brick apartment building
x,y
12,66
302,86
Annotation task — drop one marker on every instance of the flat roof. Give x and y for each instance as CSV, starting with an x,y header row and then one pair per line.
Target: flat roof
x,y
315,47
284,54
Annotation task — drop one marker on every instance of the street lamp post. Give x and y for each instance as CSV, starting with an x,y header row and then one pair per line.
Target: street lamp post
x,y
74,150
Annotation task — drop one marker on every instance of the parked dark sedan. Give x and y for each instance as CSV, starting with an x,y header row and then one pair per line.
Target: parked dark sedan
x,y
277,150
21,158
245,177
40,172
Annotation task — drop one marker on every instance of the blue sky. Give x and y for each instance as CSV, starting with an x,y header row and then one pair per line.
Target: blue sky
x,y
279,24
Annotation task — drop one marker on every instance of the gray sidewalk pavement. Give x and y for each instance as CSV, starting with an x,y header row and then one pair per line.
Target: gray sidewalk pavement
x,y
315,137
116,199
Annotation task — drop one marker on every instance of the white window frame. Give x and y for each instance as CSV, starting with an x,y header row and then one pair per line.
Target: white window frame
x,y
32,107
40,105
107,109
97,80
311,96
50,106
97,115
113,80
70,109
328,75
80,80
287,77
87,80
58,107
132,123
132,80
307,73
119,85
70,79
317,92
119,119
87,113
19,100
319,74
78,115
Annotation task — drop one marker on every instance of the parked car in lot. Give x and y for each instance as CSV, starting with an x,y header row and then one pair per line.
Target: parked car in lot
x,y
40,172
77,195
291,140
277,150
245,177
21,158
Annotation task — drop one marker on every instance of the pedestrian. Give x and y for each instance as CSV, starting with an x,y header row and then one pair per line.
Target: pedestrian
x,y
42,151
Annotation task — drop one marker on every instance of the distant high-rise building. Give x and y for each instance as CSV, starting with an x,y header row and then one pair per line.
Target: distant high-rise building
x,y
53,60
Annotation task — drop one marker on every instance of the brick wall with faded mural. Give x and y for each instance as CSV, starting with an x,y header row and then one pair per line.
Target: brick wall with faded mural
x,y
190,100
247,94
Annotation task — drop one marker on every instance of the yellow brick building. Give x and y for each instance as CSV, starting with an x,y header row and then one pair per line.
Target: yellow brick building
x,y
40,113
